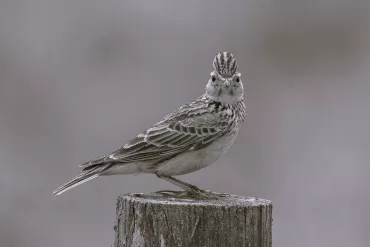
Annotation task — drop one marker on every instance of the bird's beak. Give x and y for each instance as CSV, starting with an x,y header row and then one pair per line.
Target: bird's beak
x,y
227,83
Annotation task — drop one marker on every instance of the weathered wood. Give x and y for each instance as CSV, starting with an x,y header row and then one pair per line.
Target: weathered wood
x,y
151,220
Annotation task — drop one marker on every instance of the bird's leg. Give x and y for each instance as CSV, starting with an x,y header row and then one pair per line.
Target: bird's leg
x,y
189,188
183,185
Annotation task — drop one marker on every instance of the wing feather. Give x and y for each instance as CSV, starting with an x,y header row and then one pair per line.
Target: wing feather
x,y
192,127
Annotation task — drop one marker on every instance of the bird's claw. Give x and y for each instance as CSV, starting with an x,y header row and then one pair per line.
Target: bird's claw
x,y
173,193
193,193
203,194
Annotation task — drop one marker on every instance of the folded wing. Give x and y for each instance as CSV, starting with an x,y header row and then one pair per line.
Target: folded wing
x,y
181,131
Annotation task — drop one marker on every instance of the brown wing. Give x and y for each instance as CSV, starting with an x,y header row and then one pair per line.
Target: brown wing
x,y
183,130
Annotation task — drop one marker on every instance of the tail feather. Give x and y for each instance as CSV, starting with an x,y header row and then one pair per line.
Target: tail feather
x,y
82,178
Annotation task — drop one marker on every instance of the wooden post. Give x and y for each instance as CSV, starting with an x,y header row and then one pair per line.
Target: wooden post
x,y
157,220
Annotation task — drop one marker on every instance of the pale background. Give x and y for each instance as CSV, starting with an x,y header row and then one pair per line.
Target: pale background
x,y
78,78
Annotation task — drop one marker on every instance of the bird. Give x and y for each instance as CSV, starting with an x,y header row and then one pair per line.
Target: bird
x,y
186,140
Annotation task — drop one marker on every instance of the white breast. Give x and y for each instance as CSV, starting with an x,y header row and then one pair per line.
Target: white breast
x,y
195,160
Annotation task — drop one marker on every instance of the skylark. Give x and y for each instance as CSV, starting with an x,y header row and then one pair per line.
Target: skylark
x,y
186,140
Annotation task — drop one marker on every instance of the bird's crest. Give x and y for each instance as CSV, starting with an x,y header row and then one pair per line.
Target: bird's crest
x,y
225,64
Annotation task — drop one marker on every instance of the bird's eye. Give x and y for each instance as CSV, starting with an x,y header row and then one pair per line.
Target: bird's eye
x,y
213,78
237,79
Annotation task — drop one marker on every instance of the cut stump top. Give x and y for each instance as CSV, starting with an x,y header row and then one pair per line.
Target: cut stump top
x,y
226,200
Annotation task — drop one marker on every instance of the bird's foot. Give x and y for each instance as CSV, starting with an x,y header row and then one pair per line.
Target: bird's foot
x,y
174,194
201,194
204,194
169,192
193,193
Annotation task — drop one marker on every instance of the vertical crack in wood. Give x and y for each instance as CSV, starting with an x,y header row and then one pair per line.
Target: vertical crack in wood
x,y
194,229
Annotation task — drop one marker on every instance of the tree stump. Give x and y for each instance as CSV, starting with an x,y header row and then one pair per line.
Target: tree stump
x,y
154,219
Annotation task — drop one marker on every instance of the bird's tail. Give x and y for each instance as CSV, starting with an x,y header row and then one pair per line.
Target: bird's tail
x,y
85,176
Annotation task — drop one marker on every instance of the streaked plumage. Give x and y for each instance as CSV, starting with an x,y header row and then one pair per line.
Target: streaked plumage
x,y
225,64
186,140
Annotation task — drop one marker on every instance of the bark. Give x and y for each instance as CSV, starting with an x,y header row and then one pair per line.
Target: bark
x,y
151,220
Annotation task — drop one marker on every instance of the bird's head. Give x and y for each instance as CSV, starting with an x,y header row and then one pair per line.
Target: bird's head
x,y
225,84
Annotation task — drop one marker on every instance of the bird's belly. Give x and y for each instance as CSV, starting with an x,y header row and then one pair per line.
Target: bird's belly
x,y
195,160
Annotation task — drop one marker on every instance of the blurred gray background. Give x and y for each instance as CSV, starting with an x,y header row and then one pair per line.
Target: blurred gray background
x,y
78,78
